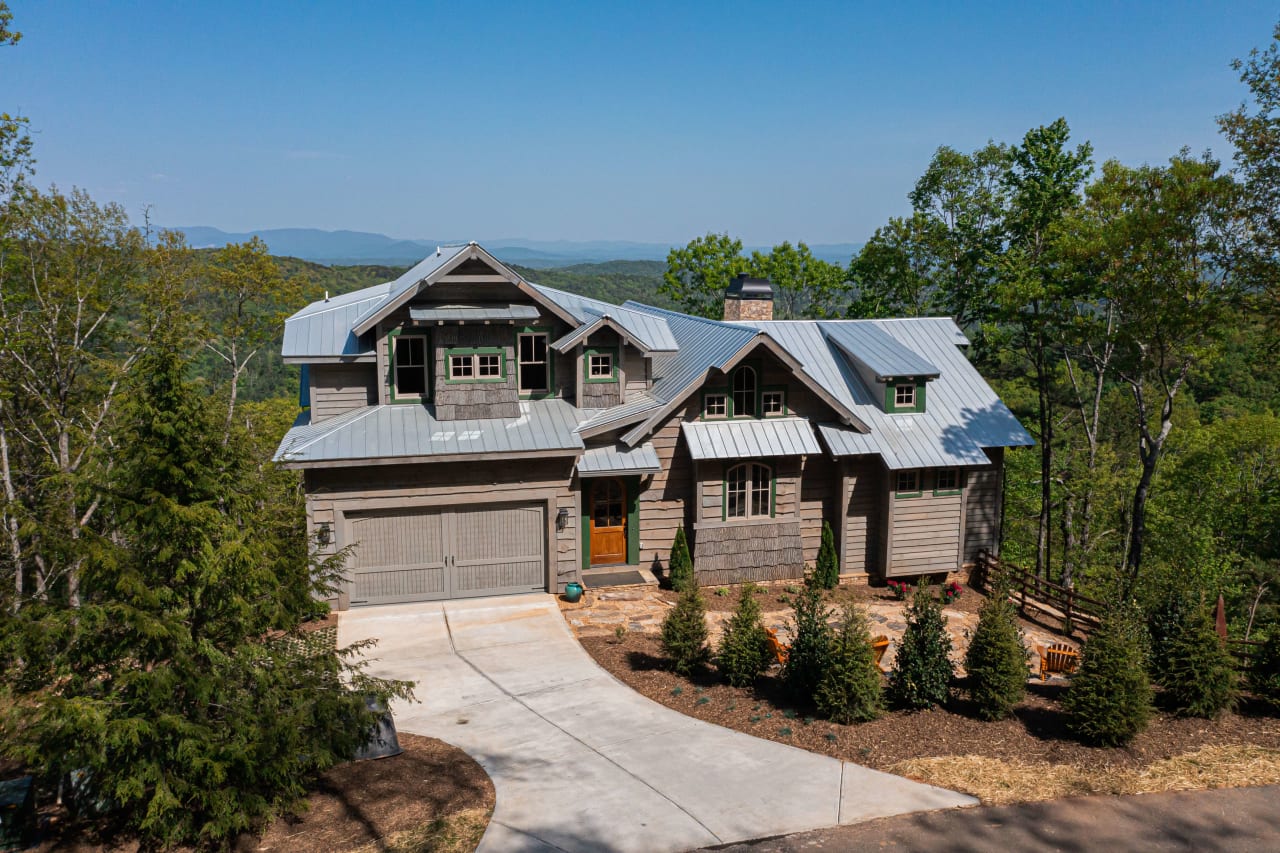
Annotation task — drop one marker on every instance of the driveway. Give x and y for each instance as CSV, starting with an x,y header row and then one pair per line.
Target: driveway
x,y
582,762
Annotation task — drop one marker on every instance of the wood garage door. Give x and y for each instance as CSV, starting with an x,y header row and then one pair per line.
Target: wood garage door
x,y
430,554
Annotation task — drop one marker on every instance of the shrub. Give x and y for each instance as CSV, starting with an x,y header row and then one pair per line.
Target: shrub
x,y
922,670
684,632
1264,668
680,564
810,651
996,660
849,690
1109,700
900,589
827,572
1164,623
951,592
1199,676
744,648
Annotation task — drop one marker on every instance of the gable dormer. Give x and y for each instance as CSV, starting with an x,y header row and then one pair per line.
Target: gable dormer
x,y
895,374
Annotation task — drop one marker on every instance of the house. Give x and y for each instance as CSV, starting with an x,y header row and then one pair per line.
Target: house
x,y
467,432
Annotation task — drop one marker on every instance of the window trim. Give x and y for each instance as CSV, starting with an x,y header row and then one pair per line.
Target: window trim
x,y
891,402
455,352
587,352
751,486
899,493
733,379
774,389
550,391
392,394
728,403
938,491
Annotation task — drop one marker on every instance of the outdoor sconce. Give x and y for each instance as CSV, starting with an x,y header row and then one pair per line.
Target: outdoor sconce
x,y
325,534
562,518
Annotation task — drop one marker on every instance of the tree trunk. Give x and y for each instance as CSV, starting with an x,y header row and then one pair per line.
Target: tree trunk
x,y
11,520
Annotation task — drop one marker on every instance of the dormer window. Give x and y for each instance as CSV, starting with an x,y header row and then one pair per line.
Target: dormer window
x,y
486,364
600,365
904,396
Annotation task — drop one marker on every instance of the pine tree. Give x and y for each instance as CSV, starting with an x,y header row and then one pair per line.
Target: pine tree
x,y
1200,676
810,652
183,687
679,564
1264,668
996,661
684,632
744,647
922,670
849,690
827,571
1109,700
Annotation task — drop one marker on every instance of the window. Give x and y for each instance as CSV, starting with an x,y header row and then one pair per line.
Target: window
x,y
904,396
475,365
599,365
948,482
409,360
748,491
533,365
715,406
773,403
908,484
744,392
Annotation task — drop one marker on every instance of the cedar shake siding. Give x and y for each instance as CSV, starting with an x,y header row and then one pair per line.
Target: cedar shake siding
x,y
339,388
475,398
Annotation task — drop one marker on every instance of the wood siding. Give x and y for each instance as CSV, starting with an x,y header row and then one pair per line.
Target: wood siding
x,y
983,502
338,388
924,531
819,485
666,498
635,369
863,495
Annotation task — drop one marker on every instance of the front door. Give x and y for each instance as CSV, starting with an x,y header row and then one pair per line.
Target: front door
x,y
608,522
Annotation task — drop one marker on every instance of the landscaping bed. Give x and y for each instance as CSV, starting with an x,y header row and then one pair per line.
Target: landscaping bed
x,y
432,797
1027,757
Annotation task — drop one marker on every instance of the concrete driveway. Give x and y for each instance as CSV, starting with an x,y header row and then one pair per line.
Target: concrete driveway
x,y
581,762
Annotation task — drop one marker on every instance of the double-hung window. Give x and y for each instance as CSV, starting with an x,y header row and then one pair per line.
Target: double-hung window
x,y
409,359
533,363
748,491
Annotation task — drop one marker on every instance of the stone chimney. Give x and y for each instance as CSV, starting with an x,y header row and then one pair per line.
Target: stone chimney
x,y
748,299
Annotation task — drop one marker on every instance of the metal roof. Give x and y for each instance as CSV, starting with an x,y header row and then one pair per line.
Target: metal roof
x,y
410,279
649,330
883,354
619,459
392,431
323,328
603,420
750,439
454,313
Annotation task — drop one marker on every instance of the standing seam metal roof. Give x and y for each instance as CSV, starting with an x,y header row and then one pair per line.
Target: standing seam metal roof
x,y
619,459
750,439
651,331
324,327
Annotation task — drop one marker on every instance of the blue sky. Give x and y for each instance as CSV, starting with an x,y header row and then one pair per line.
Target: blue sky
x,y
605,121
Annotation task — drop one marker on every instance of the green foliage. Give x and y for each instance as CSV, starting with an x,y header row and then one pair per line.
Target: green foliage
x,y
1199,676
1264,668
1166,622
1109,700
827,571
615,281
922,670
744,648
812,637
684,632
849,690
680,564
698,274
996,661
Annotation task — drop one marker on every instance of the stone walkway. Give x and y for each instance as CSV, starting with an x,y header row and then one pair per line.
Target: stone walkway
x,y
641,609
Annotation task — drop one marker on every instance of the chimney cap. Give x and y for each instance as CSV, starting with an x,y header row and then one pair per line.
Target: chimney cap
x,y
744,286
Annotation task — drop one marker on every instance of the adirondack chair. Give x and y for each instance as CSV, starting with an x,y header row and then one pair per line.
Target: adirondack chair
x,y
880,643
780,649
1057,657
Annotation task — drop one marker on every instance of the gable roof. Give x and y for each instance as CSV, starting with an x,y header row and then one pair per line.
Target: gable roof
x,y
880,352
650,333
323,328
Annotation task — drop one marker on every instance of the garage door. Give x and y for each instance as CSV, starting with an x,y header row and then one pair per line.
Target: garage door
x,y
424,555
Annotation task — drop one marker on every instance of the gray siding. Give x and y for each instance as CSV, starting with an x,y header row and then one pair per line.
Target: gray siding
x,y
819,484
736,552
456,401
983,500
864,494
924,532
338,388
635,368
666,502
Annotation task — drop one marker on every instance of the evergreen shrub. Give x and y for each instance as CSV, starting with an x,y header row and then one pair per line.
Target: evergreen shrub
x,y
680,564
827,572
744,649
684,632
1200,676
810,653
1109,700
850,690
1264,668
997,660
922,670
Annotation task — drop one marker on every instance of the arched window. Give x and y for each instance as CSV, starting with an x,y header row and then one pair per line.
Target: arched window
x,y
748,491
744,392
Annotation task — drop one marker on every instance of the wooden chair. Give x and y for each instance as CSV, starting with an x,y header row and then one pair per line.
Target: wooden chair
x,y
1058,657
780,649
880,644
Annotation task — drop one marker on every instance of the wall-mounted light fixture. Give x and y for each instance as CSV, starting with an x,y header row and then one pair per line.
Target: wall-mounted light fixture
x,y
324,535
562,518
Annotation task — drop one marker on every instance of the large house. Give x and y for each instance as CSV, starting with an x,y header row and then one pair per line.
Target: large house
x,y
469,433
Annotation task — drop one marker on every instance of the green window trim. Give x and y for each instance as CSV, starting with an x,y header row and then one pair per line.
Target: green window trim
x,y
774,389
773,493
551,363
391,365
757,372
890,399
612,352
899,494
728,404
959,487
449,354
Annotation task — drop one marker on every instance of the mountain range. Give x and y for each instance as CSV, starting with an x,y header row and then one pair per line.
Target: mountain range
x,y
363,247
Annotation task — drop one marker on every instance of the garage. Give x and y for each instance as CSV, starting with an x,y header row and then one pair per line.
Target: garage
x,y
429,554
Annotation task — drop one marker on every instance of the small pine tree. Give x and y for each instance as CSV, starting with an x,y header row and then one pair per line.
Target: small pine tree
x,y
1200,676
1165,621
849,690
810,652
922,669
744,648
827,573
1264,668
1109,700
997,660
680,564
684,632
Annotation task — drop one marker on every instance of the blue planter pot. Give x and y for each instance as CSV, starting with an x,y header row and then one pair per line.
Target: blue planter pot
x,y
573,592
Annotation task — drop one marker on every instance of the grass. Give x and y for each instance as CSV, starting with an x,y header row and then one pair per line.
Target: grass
x,y
998,782
457,833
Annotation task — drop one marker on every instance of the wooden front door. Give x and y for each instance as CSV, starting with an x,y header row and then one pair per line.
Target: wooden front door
x,y
608,522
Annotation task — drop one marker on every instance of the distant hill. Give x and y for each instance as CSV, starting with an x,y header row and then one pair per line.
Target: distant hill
x,y
363,247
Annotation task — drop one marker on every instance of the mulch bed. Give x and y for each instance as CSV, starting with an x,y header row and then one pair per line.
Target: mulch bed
x,y
361,804
1035,733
